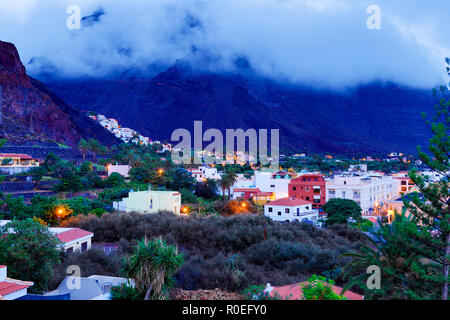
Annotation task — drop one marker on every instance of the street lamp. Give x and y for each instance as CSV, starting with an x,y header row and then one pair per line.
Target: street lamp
x,y
59,212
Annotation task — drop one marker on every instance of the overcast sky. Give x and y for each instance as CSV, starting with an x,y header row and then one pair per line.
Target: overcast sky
x,y
325,42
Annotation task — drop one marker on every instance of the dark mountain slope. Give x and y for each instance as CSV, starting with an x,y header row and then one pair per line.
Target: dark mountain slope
x,y
378,117
31,112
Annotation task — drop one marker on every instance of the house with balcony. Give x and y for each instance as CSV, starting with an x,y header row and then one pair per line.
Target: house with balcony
x,y
291,209
12,163
310,187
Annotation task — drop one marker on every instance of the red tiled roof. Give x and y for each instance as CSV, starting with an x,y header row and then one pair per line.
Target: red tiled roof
x,y
7,287
15,155
372,219
294,292
288,202
73,234
2,266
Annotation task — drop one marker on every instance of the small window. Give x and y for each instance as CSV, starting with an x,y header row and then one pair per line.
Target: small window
x,y
286,210
279,213
272,186
69,250
270,209
294,188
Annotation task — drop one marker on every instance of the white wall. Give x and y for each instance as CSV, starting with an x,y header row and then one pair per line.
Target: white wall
x,y
265,183
121,169
305,211
365,192
76,244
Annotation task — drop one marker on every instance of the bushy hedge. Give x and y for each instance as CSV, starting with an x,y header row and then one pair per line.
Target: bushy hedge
x,y
230,252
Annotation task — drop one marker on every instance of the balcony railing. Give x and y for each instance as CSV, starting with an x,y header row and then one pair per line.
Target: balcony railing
x,y
305,213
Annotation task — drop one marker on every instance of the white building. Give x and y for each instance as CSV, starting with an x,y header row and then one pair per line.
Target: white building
x,y
94,287
276,182
73,239
11,289
109,124
369,190
243,183
210,173
124,170
197,174
150,202
361,167
291,209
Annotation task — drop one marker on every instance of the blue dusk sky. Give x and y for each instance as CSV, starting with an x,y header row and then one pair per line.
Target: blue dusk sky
x,y
307,41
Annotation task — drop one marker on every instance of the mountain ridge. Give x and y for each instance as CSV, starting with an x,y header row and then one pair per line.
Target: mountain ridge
x,y
372,118
30,111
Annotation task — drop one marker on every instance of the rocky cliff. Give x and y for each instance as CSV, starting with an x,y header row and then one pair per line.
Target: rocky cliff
x,y
31,112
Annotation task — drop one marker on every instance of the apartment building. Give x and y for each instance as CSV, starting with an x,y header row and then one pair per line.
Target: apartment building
x,y
368,190
310,187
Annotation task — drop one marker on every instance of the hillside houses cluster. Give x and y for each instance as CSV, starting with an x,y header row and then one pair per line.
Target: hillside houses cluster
x,y
126,134
377,194
288,196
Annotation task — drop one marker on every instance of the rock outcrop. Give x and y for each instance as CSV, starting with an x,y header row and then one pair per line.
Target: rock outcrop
x,y
31,112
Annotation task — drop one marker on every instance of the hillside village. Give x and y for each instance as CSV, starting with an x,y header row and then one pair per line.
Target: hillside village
x,y
136,179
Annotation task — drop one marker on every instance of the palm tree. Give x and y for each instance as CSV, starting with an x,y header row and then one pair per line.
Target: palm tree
x,y
94,146
152,267
232,178
223,184
84,147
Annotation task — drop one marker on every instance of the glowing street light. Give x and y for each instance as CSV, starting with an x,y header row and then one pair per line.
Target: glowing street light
x,y
60,212
160,171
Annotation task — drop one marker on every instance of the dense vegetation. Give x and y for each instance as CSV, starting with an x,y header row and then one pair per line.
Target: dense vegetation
x,y
413,254
231,253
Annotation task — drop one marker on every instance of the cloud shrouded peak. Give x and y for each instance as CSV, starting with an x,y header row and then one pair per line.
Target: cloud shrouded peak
x,y
324,42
